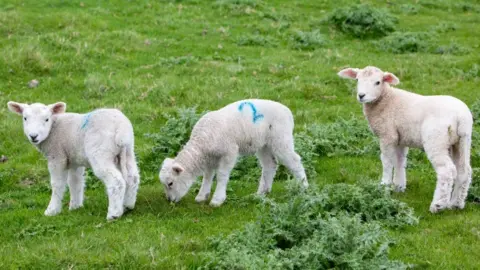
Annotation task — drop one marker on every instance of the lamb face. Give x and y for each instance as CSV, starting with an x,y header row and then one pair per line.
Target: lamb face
x,y
175,179
370,82
37,118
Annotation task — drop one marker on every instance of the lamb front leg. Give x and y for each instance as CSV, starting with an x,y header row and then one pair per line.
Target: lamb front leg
x,y
58,182
76,184
389,158
400,176
223,174
206,186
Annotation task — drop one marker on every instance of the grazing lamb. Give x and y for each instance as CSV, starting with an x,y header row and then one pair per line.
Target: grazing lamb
x,y
246,127
102,139
440,125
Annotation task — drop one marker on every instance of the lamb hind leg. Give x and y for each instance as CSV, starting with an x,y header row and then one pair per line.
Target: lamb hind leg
x,y
132,182
446,173
284,151
461,158
269,168
108,172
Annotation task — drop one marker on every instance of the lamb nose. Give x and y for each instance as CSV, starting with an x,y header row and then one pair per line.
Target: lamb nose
x,y
361,95
33,136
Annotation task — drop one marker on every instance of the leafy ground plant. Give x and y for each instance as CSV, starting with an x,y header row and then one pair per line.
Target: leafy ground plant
x,y
363,21
307,40
257,40
405,42
324,229
171,137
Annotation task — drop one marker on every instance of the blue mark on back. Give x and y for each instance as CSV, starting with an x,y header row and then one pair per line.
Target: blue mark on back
x,y
256,115
85,120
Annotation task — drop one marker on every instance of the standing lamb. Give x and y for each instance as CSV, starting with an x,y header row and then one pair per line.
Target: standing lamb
x,y
440,125
102,139
246,127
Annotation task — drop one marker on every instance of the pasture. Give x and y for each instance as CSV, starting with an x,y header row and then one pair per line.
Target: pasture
x,y
164,62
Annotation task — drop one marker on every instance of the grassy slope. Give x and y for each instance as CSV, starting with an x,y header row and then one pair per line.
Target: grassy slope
x,y
150,57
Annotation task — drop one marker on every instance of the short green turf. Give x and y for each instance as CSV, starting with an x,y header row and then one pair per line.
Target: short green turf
x,y
148,58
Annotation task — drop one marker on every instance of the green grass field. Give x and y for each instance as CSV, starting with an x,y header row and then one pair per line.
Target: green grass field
x,y
149,58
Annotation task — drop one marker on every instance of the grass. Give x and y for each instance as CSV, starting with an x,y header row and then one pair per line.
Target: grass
x,y
150,58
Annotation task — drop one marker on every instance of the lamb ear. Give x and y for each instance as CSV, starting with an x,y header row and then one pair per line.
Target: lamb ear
x,y
16,107
390,78
59,107
177,169
349,73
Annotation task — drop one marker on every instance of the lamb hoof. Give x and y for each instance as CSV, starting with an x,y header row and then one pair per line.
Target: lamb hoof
x,y
263,191
52,211
457,205
128,206
435,207
386,183
112,218
112,215
399,188
305,184
202,197
75,206
216,202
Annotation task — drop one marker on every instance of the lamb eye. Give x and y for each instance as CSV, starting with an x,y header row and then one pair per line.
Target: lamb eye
x,y
46,120
25,118
377,83
170,184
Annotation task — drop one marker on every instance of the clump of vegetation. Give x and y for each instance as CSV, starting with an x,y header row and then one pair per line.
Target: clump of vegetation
x,y
445,27
474,191
453,48
468,7
308,40
30,58
405,42
472,73
38,230
257,40
350,137
339,227
363,21
475,108
171,137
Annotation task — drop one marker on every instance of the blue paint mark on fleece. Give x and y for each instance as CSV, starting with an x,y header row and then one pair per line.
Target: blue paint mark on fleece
x,y
85,120
256,115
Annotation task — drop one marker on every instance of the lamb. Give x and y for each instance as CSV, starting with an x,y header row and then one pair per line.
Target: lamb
x,y
102,139
255,126
440,125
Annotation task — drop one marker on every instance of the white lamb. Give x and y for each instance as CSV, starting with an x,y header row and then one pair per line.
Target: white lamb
x,y
246,127
440,125
102,139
